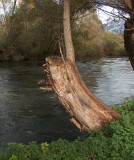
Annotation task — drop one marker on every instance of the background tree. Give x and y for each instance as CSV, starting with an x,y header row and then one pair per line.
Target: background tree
x,y
91,40
123,6
9,8
37,29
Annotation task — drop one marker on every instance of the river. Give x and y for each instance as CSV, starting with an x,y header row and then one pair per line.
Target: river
x,y
30,114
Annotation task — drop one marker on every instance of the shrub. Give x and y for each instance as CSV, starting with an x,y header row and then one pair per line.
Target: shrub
x,y
113,142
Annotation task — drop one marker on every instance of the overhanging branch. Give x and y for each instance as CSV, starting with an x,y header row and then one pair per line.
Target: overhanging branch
x,y
113,14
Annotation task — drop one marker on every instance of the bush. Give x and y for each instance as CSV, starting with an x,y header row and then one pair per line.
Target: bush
x,y
113,142
91,40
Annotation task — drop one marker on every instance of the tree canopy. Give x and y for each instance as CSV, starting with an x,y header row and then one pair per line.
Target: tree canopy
x,y
33,29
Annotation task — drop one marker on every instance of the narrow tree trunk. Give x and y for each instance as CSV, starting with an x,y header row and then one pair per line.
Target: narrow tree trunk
x,y
11,19
87,111
67,32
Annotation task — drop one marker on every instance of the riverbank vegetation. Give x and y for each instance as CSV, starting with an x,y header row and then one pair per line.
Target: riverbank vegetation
x,y
91,40
32,29
114,141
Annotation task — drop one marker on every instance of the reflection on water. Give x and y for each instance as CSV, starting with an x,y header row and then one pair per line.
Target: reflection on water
x,y
29,114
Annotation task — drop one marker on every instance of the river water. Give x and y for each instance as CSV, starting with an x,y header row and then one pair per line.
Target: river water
x,y
30,114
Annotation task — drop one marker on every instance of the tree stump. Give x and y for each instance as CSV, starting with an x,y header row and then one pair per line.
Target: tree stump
x,y
87,111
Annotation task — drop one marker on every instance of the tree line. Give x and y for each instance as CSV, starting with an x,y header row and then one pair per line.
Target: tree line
x,y
32,30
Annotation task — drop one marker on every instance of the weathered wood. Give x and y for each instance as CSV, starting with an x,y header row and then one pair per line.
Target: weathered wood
x,y
87,111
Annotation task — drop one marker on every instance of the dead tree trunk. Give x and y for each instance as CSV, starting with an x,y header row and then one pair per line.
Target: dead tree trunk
x,y
87,111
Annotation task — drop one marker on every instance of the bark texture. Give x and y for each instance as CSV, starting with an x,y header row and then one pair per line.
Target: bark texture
x,y
129,40
129,31
67,32
87,111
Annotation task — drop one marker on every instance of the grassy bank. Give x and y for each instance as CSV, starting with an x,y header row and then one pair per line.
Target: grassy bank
x,y
113,142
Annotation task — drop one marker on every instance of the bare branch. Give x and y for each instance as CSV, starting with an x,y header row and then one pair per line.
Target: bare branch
x,y
113,14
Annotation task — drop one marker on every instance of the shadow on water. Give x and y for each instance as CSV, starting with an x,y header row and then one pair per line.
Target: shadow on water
x,y
29,114
26,112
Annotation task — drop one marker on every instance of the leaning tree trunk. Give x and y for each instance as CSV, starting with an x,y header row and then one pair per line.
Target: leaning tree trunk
x,y
129,31
87,111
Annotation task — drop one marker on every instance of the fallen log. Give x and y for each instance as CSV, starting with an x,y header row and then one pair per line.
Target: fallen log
x,y
87,111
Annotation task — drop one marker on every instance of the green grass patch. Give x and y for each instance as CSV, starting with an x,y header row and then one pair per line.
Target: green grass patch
x,y
113,142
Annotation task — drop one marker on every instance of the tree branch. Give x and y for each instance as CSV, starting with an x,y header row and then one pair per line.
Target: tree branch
x,y
113,14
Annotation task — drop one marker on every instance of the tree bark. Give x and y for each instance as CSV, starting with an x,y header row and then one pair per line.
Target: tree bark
x,y
67,32
87,111
129,39
129,31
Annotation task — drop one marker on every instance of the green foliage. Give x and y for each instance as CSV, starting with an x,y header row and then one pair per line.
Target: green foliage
x,y
32,31
20,151
125,108
113,142
35,29
113,44
91,40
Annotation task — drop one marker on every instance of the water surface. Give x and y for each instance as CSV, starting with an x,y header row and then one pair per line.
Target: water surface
x,y
30,114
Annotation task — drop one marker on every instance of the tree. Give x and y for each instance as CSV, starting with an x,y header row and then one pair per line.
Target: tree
x,y
129,31
8,7
123,6
67,33
87,111
35,29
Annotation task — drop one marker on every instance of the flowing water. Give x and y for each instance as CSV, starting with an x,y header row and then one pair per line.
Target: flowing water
x,y
30,114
